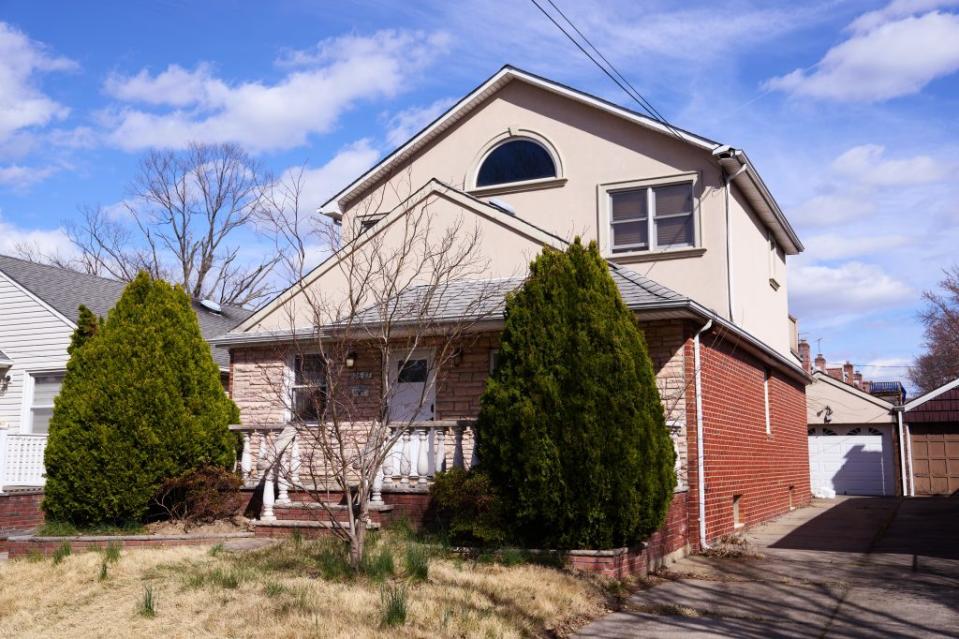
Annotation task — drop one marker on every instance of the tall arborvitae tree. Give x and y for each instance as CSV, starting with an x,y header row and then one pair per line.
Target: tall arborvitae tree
x,y
87,326
141,402
571,429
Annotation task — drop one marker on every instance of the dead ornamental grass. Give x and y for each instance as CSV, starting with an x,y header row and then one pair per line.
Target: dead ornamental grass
x,y
198,594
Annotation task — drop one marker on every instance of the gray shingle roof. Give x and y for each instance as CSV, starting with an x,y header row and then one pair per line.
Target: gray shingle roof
x,y
66,290
3,358
465,299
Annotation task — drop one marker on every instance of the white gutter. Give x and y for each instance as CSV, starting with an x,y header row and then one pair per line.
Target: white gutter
x,y
912,477
700,453
902,453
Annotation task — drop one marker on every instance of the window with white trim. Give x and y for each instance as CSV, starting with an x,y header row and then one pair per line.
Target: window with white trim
x,y
46,386
309,387
651,218
515,160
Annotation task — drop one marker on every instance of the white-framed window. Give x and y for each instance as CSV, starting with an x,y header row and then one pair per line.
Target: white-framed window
x,y
766,375
44,387
776,258
309,387
649,215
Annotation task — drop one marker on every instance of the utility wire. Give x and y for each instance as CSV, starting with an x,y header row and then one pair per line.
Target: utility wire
x,y
622,84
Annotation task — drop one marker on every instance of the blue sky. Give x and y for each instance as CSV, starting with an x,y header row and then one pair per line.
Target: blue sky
x,y
847,108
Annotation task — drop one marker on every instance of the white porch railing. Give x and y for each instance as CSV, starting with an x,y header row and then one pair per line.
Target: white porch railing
x,y
21,459
273,454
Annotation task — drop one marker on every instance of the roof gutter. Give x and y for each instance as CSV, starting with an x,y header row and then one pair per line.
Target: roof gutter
x,y
735,162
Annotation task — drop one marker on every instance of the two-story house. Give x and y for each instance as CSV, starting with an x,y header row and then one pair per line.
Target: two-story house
x,y
696,244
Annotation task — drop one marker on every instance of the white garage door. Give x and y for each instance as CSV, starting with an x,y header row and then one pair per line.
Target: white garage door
x,y
851,461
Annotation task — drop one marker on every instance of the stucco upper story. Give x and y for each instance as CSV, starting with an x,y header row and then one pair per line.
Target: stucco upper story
x,y
733,263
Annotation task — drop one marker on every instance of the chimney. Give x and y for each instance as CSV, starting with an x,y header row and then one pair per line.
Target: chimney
x,y
820,363
847,372
857,379
804,356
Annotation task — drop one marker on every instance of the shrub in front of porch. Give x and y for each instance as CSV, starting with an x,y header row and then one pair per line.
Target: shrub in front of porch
x,y
141,403
571,429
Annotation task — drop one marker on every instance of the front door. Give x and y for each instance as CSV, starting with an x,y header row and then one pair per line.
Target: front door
x,y
413,392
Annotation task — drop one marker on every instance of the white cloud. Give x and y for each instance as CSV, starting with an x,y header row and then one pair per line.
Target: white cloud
x,y
829,209
22,104
321,84
406,123
889,60
20,177
835,246
866,164
847,290
896,9
886,368
44,241
321,183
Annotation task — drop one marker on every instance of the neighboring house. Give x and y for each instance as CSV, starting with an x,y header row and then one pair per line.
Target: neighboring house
x,y
931,424
696,244
38,314
854,434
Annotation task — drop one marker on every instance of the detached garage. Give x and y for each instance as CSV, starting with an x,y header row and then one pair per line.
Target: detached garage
x,y
932,423
852,440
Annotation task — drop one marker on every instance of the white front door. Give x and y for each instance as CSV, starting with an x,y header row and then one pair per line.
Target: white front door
x,y
413,392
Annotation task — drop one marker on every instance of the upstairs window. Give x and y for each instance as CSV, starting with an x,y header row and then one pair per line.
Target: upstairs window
x,y
309,387
651,218
517,160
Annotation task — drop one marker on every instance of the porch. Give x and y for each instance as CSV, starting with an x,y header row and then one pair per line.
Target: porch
x,y
282,467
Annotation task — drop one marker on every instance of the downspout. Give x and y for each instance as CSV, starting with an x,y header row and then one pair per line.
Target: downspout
x,y
902,453
700,453
728,178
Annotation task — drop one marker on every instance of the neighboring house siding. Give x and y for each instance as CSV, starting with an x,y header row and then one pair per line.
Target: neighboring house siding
x,y
35,338
741,459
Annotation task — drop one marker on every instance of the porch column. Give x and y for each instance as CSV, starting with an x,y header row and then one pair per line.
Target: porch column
x,y
423,463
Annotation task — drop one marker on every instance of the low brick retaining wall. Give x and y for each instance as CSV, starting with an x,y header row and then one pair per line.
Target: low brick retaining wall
x,y
20,510
22,545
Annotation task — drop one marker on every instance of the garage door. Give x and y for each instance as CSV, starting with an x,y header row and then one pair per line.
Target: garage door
x,y
851,461
935,458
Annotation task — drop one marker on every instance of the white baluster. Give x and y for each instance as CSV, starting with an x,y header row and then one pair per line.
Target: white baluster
x,y
457,446
246,457
405,457
268,496
439,441
388,465
474,459
295,461
423,463
377,496
261,453
283,476
414,457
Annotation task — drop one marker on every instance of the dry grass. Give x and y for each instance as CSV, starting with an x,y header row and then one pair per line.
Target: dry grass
x,y
272,593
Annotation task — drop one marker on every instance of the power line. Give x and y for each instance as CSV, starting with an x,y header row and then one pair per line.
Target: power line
x,y
623,84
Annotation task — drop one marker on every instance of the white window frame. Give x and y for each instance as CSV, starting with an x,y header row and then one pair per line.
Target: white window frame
x,y
606,192
509,135
27,407
767,374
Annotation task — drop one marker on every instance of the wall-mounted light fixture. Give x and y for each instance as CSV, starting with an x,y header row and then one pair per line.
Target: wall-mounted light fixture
x,y
4,382
351,359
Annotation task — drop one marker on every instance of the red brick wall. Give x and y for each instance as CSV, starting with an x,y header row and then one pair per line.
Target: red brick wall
x,y
21,511
770,472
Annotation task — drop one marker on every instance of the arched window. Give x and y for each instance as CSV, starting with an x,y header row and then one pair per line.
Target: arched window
x,y
516,160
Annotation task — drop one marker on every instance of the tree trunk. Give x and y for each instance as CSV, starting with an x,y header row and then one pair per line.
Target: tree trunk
x,y
358,543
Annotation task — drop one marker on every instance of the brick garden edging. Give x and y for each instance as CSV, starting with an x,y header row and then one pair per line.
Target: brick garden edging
x,y
22,545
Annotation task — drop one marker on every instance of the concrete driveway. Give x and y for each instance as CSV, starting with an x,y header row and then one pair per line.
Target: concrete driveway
x,y
850,567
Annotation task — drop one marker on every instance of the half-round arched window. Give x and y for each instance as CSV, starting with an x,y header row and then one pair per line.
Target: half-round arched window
x,y
516,160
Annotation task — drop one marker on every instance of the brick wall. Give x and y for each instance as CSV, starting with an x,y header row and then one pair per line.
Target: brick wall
x,y
770,472
20,511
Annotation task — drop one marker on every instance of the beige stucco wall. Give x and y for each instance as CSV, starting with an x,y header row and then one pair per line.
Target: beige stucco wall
x,y
847,404
598,148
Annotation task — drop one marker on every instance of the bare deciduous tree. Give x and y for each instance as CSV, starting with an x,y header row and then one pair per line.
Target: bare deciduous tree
x,y
185,220
940,362
396,291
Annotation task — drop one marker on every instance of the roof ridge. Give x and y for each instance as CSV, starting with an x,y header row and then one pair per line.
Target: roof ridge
x,y
63,269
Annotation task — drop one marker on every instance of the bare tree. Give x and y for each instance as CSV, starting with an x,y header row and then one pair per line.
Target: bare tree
x,y
396,291
940,362
185,222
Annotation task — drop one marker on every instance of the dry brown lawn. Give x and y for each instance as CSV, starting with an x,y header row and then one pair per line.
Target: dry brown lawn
x,y
285,591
